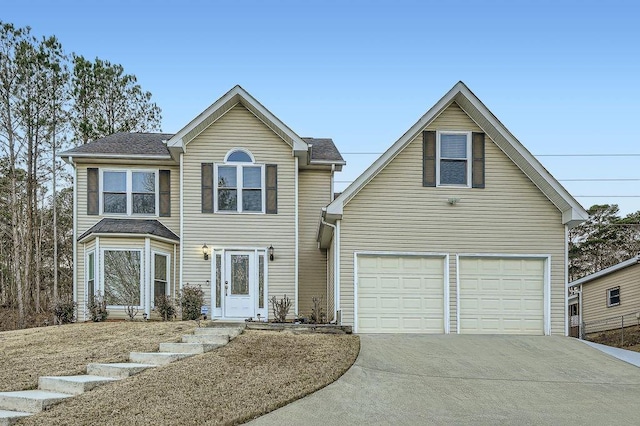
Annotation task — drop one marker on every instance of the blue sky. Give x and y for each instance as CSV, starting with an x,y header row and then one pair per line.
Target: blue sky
x,y
561,75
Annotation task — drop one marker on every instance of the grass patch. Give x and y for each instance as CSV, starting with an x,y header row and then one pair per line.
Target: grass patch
x,y
257,372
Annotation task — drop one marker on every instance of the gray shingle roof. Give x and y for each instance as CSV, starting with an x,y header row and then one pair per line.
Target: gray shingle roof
x,y
323,149
130,226
124,143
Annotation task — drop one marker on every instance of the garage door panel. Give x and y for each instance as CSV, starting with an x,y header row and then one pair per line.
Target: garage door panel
x,y
408,292
501,295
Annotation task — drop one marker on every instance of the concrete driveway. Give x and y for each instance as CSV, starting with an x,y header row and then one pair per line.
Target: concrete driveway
x,y
453,379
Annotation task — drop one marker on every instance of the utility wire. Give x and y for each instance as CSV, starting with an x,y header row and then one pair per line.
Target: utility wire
x,y
537,155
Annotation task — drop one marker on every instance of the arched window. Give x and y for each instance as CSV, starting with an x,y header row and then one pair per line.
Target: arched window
x,y
240,183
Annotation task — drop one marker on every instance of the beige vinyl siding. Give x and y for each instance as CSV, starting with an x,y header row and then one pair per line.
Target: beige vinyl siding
x,y
239,129
594,295
314,187
394,212
330,283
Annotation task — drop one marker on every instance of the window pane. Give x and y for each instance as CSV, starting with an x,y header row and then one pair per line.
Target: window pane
x,y
91,277
261,281
160,267
252,200
239,156
218,280
115,182
91,265
228,199
227,177
115,203
252,177
143,181
144,203
159,289
453,172
453,146
122,277
240,274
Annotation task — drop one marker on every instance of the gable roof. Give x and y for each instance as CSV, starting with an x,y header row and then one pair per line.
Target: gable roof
x,y
139,227
144,145
572,212
235,96
607,271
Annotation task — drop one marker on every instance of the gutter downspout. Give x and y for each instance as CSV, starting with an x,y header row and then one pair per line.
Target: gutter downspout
x,y
297,244
75,235
581,328
181,217
335,261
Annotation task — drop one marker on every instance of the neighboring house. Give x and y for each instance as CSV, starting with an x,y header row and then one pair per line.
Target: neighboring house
x,y
602,299
456,228
230,203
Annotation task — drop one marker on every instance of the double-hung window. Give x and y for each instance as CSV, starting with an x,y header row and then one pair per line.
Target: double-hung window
x,y
454,154
129,192
160,276
91,275
240,184
613,296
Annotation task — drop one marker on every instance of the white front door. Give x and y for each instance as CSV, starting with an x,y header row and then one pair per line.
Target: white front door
x,y
239,285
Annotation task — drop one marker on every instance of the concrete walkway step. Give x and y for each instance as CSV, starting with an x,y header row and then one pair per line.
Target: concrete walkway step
x,y
157,358
232,332
215,339
117,370
188,348
74,385
8,418
30,401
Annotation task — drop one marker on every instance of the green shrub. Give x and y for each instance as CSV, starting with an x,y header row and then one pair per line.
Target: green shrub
x,y
64,311
191,301
165,307
97,309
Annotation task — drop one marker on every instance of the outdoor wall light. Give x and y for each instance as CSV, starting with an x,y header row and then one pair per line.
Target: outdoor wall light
x,y
271,252
205,251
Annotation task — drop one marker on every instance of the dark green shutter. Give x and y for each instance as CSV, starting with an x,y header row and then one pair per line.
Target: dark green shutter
x,y
93,191
272,188
429,158
477,166
165,193
207,187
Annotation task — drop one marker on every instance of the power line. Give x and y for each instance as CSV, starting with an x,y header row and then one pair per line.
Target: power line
x,y
563,180
607,196
536,155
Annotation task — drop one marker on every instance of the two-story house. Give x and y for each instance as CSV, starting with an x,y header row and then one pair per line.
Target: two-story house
x,y
455,228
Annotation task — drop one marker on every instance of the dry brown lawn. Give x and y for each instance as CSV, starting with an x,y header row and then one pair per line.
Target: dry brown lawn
x,y
629,341
66,350
256,373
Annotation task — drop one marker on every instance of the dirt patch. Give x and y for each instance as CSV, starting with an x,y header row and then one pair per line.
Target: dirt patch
x,y
257,372
67,349
628,339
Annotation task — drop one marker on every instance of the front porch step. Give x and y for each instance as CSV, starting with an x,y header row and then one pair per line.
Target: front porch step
x,y
74,385
117,370
157,358
30,401
232,332
188,348
221,339
8,418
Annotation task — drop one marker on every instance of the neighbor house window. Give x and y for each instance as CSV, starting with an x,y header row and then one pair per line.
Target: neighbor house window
x,y
160,276
613,296
91,276
454,153
240,184
122,277
130,192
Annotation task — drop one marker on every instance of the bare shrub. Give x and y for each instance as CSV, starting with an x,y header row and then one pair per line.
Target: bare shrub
x,y
280,308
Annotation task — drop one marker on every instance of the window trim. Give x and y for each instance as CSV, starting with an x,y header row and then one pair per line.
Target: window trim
x,y
89,253
609,290
101,283
129,191
239,166
468,158
153,275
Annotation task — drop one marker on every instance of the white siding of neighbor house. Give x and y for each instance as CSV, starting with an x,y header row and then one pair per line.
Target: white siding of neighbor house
x,y
594,296
314,189
239,128
394,212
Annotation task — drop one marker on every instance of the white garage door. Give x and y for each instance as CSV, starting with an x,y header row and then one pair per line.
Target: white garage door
x,y
400,294
501,296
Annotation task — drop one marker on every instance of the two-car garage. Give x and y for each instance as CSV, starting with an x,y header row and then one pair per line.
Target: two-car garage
x,y
410,293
